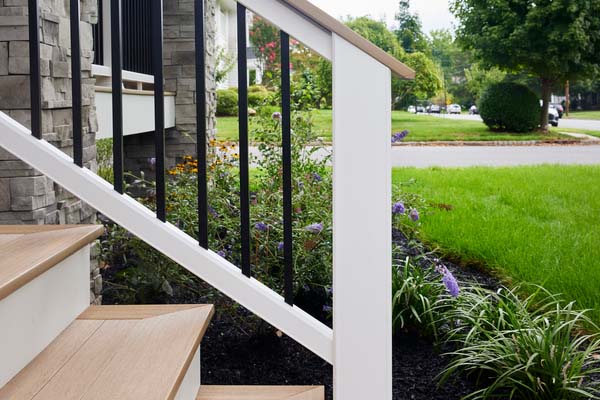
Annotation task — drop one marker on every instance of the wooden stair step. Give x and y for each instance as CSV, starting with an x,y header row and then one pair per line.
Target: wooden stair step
x,y
116,352
28,251
208,392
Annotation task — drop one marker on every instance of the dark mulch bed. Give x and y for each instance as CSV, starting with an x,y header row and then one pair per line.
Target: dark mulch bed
x,y
236,351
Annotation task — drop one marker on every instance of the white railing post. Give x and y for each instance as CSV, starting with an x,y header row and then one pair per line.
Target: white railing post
x,y
362,225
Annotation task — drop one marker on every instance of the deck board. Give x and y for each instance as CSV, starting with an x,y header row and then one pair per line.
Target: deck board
x,y
116,357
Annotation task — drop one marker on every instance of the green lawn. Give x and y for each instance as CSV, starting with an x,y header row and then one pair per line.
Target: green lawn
x,y
421,127
527,224
584,115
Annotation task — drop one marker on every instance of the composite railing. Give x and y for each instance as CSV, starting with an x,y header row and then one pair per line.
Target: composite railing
x,y
359,346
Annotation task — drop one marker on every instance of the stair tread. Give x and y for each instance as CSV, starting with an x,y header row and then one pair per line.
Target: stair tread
x,y
30,250
210,392
117,357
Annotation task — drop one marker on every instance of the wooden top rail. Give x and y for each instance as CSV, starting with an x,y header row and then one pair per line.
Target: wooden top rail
x,y
332,25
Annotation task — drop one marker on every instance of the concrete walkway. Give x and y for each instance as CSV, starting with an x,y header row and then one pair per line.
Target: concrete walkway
x,y
465,156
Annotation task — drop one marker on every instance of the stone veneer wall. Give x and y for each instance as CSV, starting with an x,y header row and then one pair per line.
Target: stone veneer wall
x,y
180,77
27,196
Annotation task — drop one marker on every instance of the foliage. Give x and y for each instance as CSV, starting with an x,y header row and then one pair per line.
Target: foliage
x,y
264,37
553,40
143,269
529,348
104,159
325,82
509,107
225,63
306,92
227,103
479,79
259,96
417,297
377,33
427,80
410,30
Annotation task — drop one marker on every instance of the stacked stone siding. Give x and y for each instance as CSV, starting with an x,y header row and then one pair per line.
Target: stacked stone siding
x,y
180,77
27,196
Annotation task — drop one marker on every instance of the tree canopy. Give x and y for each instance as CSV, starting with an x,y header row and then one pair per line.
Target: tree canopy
x,y
555,40
410,30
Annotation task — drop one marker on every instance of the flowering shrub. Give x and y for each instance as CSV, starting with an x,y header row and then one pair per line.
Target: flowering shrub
x,y
142,266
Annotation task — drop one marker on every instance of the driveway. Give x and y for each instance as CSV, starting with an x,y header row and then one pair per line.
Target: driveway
x,y
588,124
466,156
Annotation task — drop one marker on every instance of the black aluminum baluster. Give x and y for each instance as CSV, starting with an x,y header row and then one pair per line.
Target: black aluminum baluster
x,y
243,127
201,124
159,107
286,147
117,92
35,86
76,84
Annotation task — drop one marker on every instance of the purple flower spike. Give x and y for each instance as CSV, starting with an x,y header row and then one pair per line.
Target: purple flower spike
x,y
398,208
399,136
414,215
222,253
276,116
317,177
451,284
280,246
315,228
261,226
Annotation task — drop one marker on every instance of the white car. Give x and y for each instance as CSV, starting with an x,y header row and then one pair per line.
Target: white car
x,y
412,109
454,109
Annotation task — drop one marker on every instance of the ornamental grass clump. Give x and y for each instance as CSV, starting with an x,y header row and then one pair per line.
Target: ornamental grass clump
x,y
421,296
530,348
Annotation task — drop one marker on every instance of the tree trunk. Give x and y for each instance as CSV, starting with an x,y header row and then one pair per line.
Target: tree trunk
x,y
546,94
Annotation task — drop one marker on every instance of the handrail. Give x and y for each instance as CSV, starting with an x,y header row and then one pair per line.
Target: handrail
x,y
333,25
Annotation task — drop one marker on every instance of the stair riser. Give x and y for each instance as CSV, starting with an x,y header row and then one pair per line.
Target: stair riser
x,y
191,382
36,313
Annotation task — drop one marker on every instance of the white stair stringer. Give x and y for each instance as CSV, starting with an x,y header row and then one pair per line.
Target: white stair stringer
x,y
166,238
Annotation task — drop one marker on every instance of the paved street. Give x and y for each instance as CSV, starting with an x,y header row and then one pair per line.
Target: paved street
x,y
463,156
592,125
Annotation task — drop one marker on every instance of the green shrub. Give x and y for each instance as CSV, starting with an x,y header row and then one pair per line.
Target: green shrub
x,y
104,157
227,103
530,348
510,107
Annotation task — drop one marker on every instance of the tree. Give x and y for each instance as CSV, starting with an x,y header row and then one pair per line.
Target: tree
x,y
554,40
410,30
427,80
479,79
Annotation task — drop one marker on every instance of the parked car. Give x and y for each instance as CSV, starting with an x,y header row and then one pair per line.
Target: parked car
x,y
553,117
558,107
454,109
412,109
473,110
434,109
420,109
